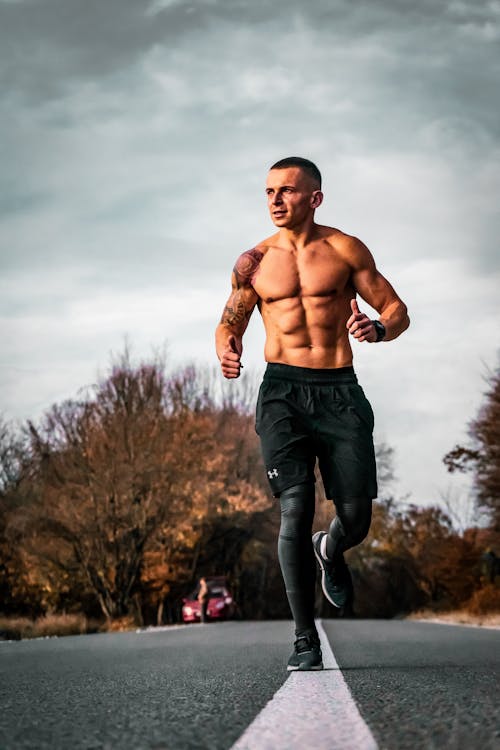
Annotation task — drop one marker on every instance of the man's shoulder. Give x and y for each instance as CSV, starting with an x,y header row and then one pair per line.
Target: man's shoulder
x,y
265,245
347,245
336,237
253,256
247,264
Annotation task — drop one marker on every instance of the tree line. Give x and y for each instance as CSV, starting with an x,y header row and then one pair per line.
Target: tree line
x,y
115,503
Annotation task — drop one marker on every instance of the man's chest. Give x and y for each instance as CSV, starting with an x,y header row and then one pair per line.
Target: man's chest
x,y
284,274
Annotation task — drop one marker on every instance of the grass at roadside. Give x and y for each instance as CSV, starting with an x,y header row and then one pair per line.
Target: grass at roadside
x,y
483,608
17,628
458,617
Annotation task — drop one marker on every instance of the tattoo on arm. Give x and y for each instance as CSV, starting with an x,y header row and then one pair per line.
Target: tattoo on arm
x,y
247,266
241,303
234,312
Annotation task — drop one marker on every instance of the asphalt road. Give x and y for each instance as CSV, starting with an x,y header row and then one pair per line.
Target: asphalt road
x,y
417,685
422,685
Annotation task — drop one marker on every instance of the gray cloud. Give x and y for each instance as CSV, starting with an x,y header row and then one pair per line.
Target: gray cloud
x,y
428,47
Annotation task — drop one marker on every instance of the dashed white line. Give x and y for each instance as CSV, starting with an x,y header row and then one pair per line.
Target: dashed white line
x,y
311,710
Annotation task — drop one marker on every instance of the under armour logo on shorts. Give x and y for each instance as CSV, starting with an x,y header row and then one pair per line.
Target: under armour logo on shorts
x,y
272,474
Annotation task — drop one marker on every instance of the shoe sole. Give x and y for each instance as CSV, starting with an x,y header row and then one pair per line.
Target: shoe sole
x,y
316,668
323,576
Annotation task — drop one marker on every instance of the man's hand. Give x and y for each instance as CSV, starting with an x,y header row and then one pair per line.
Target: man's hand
x,y
230,360
360,326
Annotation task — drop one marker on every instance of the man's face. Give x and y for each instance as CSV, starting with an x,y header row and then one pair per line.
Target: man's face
x,y
292,196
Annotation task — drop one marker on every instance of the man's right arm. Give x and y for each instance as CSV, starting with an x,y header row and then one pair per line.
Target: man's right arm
x,y
236,314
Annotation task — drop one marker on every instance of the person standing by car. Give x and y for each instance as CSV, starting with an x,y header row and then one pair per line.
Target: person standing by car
x,y
203,597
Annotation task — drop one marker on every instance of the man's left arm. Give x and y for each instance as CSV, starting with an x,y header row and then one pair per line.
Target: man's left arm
x,y
379,293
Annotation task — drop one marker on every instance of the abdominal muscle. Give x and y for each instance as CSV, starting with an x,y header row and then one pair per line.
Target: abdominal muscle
x,y
307,332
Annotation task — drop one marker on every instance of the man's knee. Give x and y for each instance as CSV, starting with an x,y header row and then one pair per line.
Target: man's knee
x,y
360,530
297,509
355,515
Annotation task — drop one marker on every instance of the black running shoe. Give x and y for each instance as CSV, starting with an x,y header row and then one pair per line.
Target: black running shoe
x,y
336,579
306,654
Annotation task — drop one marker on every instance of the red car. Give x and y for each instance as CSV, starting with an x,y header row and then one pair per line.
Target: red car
x,y
221,605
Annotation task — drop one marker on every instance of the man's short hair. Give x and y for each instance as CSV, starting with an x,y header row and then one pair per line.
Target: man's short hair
x,y
297,161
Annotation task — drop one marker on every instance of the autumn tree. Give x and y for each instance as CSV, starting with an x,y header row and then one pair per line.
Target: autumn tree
x,y
102,475
126,483
11,453
482,456
19,589
224,493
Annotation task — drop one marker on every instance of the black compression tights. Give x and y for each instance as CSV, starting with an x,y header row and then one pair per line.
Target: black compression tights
x,y
349,527
295,551
296,554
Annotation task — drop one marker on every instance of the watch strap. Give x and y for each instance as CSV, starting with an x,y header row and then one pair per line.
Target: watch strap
x,y
379,329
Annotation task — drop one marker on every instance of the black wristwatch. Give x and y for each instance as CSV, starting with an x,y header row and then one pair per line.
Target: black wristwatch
x,y
379,330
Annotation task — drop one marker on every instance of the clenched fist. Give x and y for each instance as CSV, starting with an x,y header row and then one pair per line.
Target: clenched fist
x,y
230,360
360,326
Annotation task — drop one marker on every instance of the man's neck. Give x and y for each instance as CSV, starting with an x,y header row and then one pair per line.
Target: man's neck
x,y
298,237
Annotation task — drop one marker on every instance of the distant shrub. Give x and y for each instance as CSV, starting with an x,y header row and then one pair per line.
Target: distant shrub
x,y
17,628
484,601
120,624
61,625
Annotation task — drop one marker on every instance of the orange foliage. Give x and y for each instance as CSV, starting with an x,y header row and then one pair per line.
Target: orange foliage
x,y
485,600
118,489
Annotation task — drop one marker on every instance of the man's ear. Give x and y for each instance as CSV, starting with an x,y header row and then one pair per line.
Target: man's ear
x,y
316,199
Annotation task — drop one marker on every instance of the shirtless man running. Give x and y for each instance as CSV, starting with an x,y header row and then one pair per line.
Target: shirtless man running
x,y
304,280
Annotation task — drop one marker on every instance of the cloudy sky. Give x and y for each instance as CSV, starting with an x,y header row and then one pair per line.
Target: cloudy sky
x,y
136,137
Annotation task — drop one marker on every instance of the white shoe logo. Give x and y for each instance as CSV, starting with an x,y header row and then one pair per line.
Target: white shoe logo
x,y
272,474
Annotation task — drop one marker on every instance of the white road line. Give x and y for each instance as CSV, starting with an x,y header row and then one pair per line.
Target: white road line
x,y
311,710
152,629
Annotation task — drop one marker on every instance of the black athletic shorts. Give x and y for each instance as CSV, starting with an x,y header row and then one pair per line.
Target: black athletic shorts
x,y
303,414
